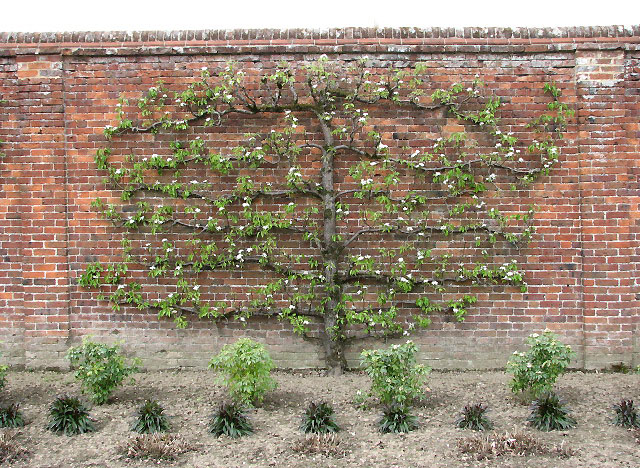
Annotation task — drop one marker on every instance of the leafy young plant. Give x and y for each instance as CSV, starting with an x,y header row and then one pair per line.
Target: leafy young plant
x,y
230,421
536,370
548,413
150,418
474,417
395,375
397,418
318,419
246,371
10,416
626,414
100,368
69,416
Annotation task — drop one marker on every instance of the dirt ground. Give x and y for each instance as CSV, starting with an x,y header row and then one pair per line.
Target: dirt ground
x,y
190,396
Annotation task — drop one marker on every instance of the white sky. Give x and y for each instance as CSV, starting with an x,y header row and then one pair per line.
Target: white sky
x,y
92,15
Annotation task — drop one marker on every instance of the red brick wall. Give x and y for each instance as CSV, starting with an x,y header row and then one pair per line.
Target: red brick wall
x,y
582,266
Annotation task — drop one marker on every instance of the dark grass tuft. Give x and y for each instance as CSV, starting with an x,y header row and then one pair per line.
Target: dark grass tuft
x,y
150,418
10,416
474,417
548,413
626,414
397,418
318,419
69,416
230,420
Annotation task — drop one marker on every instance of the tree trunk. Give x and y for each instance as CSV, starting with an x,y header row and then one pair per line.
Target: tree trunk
x,y
333,332
332,339
333,347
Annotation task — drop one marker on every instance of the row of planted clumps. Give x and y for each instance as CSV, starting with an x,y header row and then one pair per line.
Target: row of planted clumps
x,y
245,369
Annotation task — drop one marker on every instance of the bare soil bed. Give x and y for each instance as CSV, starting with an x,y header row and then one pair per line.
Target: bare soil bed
x,y
190,396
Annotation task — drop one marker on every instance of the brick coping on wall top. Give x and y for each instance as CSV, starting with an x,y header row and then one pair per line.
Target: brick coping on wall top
x,y
354,33
335,40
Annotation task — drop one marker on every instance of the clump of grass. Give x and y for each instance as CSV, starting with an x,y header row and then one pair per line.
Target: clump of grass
x,y
10,449
150,418
548,413
474,417
514,444
397,418
621,368
329,445
69,416
230,420
10,416
156,446
626,414
318,419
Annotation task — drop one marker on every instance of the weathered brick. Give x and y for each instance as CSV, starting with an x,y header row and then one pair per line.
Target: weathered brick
x,y
582,266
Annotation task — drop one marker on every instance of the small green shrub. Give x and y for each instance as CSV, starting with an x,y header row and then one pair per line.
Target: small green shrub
x,y
246,368
69,416
10,416
397,418
626,414
318,419
474,417
536,370
548,413
395,375
150,418
100,368
230,421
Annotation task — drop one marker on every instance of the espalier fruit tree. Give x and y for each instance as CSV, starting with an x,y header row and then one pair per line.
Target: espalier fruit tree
x,y
349,200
